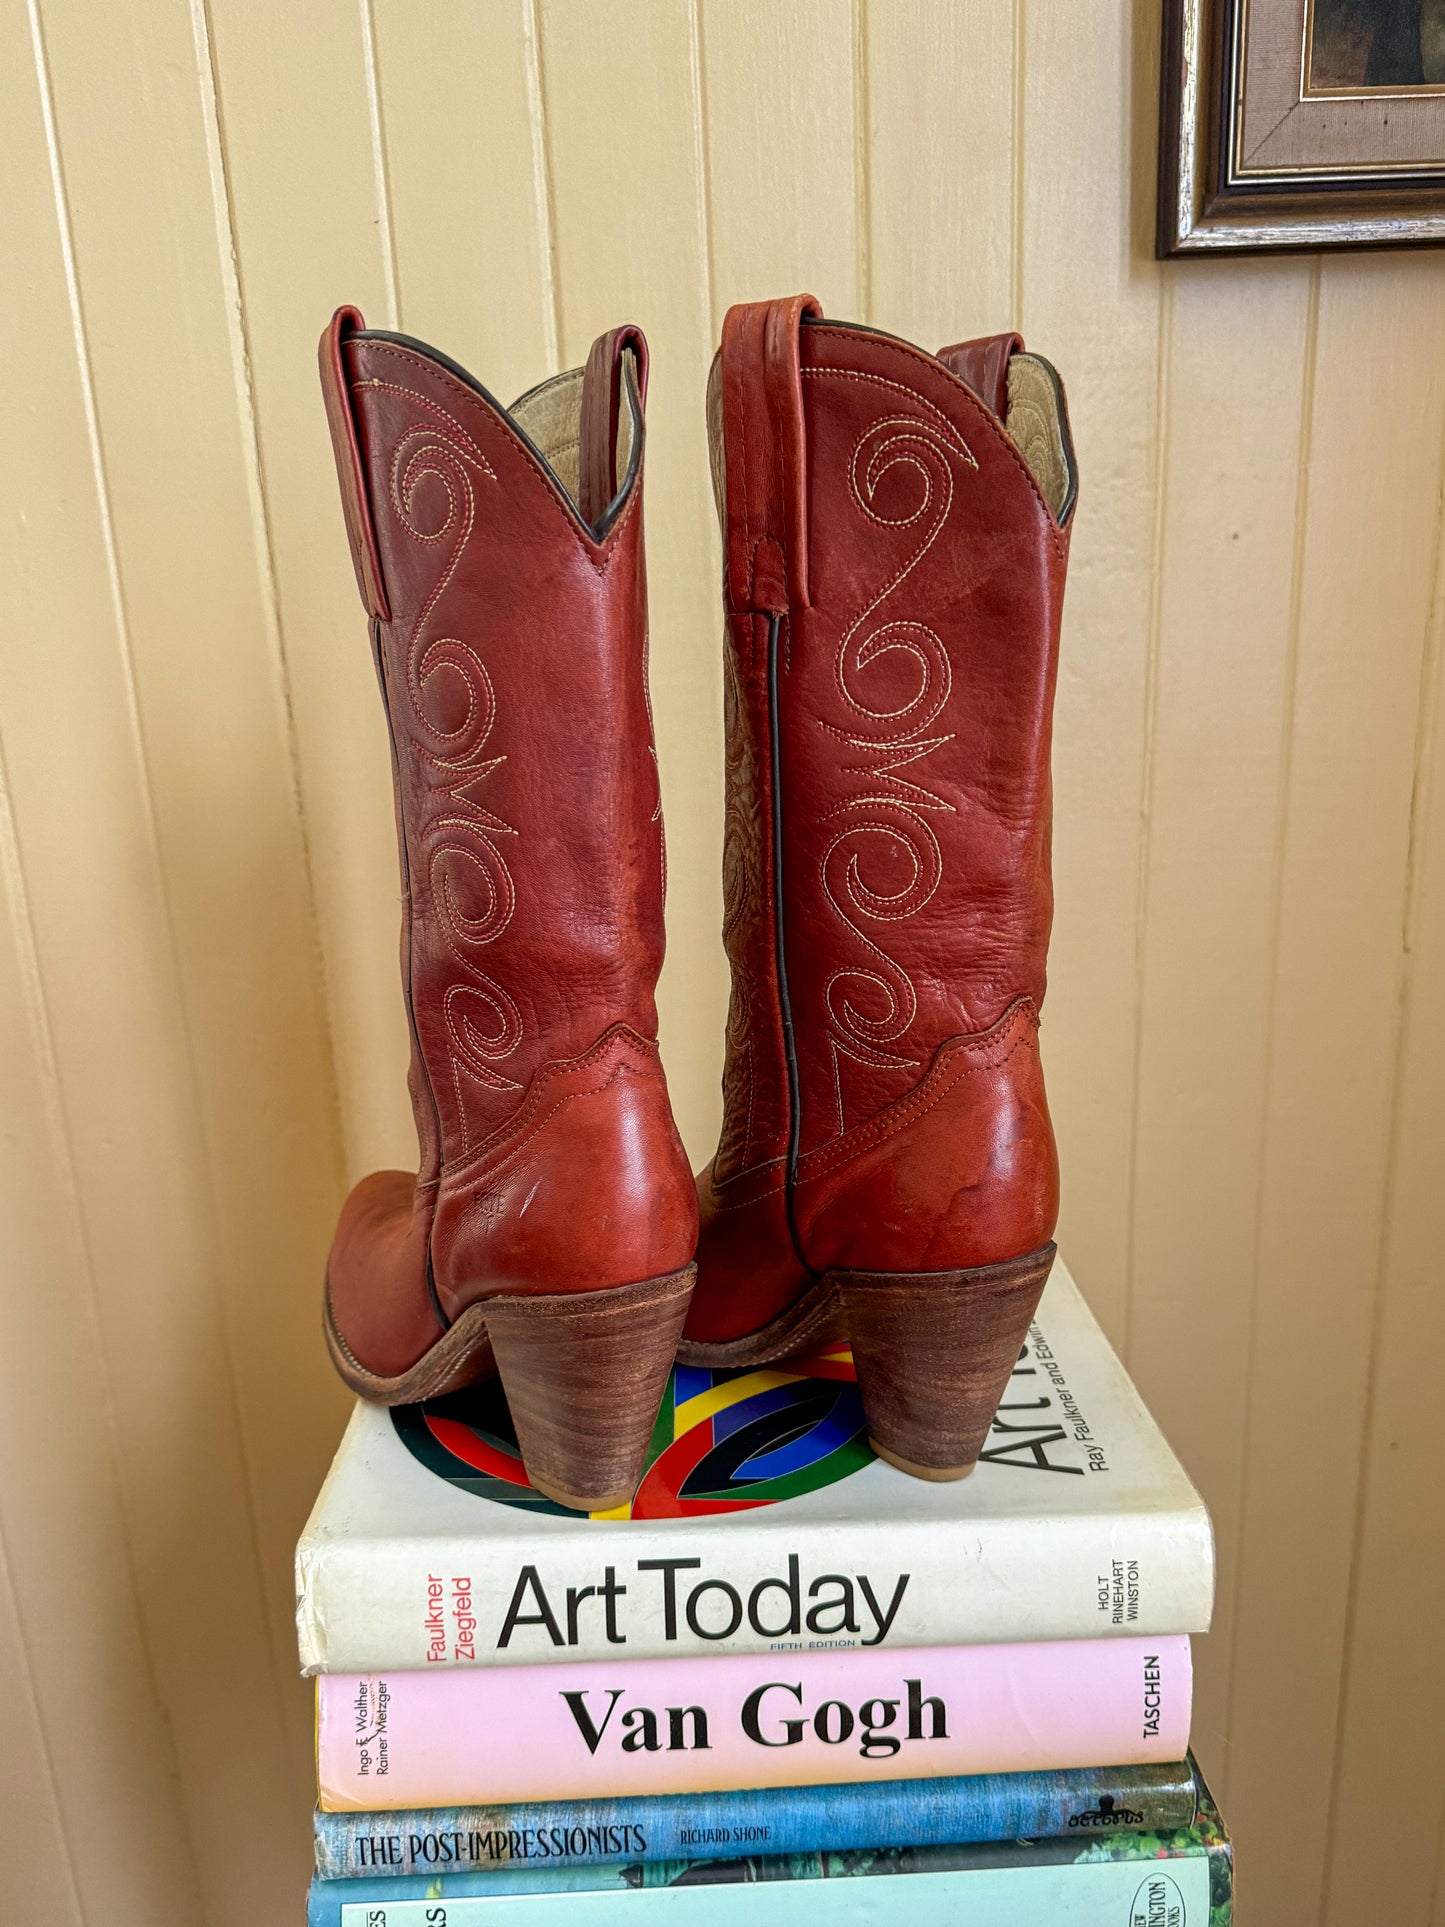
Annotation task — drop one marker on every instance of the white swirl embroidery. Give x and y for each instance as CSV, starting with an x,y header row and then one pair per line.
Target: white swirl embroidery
x,y
885,828
470,881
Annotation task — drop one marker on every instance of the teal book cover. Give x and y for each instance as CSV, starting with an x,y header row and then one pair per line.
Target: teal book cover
x,y
1180,1878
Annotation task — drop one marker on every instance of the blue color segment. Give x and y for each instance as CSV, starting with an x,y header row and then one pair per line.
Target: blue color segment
x,y
844,1421
555,1837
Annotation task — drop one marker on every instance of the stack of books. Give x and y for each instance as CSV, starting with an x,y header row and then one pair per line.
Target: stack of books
x,y
784,1665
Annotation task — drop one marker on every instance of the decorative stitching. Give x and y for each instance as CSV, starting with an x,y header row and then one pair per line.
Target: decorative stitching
x,y
487,1171
793,1327
965,394
461,1101
599,555
855,1146
450,427
738,894
481,1166
756,1197
747,516
448,454
519,1124
455,642
482,1025
753,1197
925,447
907,1110
913,394
875,646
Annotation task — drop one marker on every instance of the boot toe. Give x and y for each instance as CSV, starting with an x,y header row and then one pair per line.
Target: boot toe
x,y
380,1308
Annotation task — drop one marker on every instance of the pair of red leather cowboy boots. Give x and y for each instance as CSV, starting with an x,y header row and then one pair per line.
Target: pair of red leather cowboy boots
x,y
895,529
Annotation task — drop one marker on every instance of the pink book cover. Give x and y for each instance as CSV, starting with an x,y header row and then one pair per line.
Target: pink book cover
x,y
560,1732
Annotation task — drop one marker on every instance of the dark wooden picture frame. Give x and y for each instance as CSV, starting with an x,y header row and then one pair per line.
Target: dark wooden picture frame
x,y
1256,153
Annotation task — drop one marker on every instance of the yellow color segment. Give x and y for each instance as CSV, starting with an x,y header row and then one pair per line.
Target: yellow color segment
x,y
703,1404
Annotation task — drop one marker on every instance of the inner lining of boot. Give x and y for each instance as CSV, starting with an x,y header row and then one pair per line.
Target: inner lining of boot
x,y
550,416
547,419
1036,421
1040,430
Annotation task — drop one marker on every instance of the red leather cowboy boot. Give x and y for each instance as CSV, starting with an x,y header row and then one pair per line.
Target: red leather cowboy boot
x,y
895,534
549,1232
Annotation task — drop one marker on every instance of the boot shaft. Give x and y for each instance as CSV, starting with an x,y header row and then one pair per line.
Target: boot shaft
x,y
895,560
894,528
548,1234
499,554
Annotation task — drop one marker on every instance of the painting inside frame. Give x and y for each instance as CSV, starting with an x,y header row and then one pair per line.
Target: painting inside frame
x,y
1375,46
1302,123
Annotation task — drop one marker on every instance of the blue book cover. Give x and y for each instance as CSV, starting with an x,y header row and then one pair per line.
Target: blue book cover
x,y
1182,1878
651,1831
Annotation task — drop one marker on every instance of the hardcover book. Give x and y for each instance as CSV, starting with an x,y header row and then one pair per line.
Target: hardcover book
x,y
1088,1803
762,1523
609,1727
1178,1879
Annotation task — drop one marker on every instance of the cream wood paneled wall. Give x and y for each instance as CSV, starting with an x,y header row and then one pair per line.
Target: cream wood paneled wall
x,y
201,1031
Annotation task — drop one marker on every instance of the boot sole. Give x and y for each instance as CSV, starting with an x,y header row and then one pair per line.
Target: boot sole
x,y
583,1372
933,1351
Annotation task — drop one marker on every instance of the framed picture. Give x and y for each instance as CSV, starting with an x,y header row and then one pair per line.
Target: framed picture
x,y
1301,124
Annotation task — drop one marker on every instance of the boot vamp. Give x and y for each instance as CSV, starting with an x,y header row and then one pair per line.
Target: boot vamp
x,y
376,1279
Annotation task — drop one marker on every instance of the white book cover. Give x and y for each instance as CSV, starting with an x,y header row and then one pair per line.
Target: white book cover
x,y
763,1523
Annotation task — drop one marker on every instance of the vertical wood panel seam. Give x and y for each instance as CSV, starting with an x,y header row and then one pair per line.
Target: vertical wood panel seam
x,y
32,1699
544,172
862,165
16,895
1016,171
125,653
380,166
42,1030
1424,778
274,640
1149,727
16,898
254,467
702,141
1273,941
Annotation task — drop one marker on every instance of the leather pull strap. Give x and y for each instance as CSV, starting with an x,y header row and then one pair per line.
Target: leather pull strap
x,y
765,443
350,469
983,364
601,412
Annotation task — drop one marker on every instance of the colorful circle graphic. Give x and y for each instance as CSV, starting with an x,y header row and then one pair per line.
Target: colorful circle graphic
x,y
724,1441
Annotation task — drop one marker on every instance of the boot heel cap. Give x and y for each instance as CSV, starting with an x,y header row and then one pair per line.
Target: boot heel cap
x,y
936,1474
933,1351
584,1375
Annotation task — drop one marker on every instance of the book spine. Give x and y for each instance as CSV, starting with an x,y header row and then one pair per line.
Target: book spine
x,y
365,1607
1087,1804
417,1739
1015,1889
